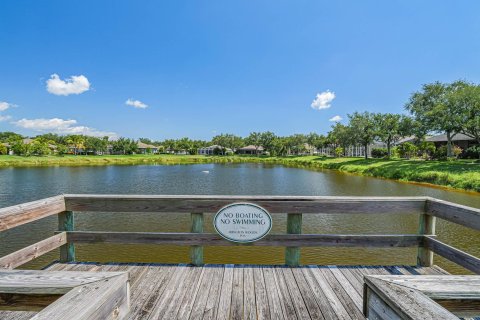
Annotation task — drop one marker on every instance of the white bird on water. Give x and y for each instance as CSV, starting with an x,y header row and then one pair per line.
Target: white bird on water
x,y
206,171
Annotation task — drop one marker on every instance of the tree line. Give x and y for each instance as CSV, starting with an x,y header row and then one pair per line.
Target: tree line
x,y
446,108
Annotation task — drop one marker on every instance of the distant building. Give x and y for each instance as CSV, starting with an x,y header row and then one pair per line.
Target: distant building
x,y
461,140
250,150
144,148
207,151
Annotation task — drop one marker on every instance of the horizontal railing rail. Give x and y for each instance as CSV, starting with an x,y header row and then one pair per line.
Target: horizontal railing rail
x,y
293,206
274,204
275,240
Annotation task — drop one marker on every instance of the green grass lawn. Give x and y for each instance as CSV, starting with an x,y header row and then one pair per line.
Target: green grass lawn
x,y
455,174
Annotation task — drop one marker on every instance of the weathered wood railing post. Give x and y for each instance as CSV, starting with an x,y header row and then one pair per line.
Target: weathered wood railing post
x,y
66,223
196,252
294,226
426,226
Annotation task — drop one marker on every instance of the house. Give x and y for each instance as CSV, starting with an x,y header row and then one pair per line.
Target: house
x,y
215,149
461,140
144,148
251,149
52,147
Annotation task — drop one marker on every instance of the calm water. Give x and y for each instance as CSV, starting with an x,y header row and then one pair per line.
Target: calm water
x,y
19,185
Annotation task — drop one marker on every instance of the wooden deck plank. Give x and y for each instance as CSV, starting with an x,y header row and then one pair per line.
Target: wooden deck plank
x,y
347,286
354,281
307,294
189,299
163,301
261,299
295,294
249,304
225,299
16,315
237,293
211,306
322,300
145,295
169,309
343,296
273,296
286,299
202,296
334,300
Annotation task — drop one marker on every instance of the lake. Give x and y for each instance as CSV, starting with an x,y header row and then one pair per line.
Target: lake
x,y
19,185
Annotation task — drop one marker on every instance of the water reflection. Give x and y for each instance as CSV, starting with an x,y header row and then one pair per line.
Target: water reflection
x,y
19,185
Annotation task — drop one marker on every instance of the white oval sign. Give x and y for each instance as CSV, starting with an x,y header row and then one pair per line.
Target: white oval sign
x,y
242,222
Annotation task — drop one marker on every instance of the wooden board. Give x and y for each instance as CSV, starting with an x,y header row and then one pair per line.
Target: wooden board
x,y
274,204
456,213
14,216
212,239
461,258
86,295
33,251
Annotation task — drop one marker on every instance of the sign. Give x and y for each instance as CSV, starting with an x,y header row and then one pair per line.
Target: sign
x,y
242,222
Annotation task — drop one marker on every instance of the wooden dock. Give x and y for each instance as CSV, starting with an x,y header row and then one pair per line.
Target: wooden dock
x,y
73,290
241,291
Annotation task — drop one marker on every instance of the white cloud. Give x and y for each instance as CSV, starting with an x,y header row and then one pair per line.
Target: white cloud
x,y
5,105
4,118
72,85
323,100
136,104
335,119
61,126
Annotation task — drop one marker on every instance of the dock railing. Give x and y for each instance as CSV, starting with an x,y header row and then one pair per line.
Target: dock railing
x,y
293,206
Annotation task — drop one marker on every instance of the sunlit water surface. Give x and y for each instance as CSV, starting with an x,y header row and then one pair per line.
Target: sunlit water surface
x,y
19,185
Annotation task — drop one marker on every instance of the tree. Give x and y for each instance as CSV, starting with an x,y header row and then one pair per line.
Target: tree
x,y
39,148
467,99
254,138
340,135
76,142
435,107
267,140
124,146
316,140
296,143
362,128
390,129
8,136
185,144
3,149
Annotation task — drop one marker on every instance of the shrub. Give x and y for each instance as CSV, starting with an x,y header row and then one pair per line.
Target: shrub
x,y
471,153
3,149
407,150
427,149
441,152
379,152
338,151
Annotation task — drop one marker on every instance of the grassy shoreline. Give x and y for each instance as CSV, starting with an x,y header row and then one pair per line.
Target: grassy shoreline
x,y
463,175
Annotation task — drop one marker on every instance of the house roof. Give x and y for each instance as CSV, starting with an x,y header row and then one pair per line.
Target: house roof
x,y
443,138
212,147
252,147
142,145
406,139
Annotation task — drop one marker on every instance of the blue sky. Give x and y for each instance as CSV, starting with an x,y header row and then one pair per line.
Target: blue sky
x,y
207,67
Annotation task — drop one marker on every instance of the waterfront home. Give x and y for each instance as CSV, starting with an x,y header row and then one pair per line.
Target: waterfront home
x,y
52,147
144,148
214,149
251,149
459,139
